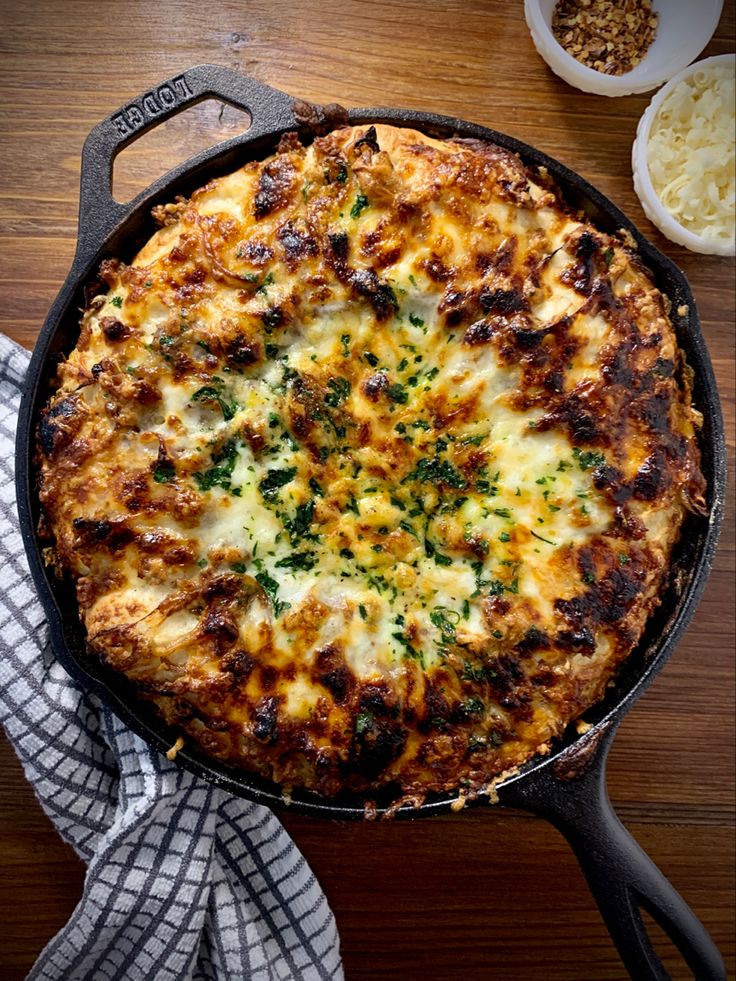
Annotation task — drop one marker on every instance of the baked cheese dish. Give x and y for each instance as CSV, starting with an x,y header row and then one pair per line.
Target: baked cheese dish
x,y
369,466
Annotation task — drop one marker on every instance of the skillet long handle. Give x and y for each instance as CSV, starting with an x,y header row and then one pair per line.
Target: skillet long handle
x,y
571,793
99,213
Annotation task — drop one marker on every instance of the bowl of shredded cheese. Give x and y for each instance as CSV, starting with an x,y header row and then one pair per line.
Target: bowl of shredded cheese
x,y
618,47
684,157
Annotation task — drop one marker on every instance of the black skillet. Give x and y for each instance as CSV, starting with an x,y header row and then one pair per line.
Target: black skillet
x,y
567,787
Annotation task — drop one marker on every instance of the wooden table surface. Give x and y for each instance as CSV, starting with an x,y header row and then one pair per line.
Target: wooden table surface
x,y
487,894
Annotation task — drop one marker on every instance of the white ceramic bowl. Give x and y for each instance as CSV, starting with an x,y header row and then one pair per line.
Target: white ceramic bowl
x,y
684,29
653,208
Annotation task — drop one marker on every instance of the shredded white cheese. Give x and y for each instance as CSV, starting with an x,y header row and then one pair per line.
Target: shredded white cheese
x,y
691,153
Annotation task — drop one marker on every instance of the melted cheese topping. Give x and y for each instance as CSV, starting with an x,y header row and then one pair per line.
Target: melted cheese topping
x,y
368,467
692,153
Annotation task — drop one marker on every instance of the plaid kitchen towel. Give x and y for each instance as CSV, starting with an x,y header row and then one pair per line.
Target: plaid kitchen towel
x,y
183,880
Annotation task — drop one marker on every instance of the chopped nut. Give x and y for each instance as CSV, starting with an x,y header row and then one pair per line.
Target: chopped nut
x,y
610,36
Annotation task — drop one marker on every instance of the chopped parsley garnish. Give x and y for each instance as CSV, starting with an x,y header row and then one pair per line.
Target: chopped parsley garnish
x,y
315,487
342,174
504,537
370,358
363,612
272,351
588,578
415,321
298,526
274,480
268,281
164,473
409,649
361,203
270,588
363,722
339,391
239,567
397,393
471,706
220,474
345,341
445,621
587,459
271,319
502,512
211,394
608,256
477,672
430,550
298,560
435,471
117,301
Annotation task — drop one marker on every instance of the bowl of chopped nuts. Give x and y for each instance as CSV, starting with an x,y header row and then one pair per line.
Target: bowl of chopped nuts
x,y
618,47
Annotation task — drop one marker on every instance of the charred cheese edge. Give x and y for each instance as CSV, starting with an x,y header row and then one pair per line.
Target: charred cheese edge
x,y
369,466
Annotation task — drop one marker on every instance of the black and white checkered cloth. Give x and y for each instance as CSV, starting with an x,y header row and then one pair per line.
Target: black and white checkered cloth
x,y
184,881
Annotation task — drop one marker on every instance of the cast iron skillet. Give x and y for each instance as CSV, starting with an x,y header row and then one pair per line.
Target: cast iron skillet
x,y
567,787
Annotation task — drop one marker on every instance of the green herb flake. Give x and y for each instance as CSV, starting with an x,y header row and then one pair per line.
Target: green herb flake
x,y
397,393
211,394
415,321
345,342
220,474
370,358
298,560
363,722
339,391
268,281
587,459
274,480
299,525
445,621
271,588
409,649
361,203
117,301
437,471
363,612
164,473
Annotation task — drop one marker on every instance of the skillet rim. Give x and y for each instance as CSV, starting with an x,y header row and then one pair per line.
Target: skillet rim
x,y
691,568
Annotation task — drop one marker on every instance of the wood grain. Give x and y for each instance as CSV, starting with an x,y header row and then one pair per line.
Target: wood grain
x,y
489,894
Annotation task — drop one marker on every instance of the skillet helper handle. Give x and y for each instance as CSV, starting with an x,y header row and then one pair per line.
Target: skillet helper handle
x,y
571,793
99,212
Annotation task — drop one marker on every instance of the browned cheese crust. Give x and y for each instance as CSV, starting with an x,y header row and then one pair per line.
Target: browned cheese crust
x,y
369,467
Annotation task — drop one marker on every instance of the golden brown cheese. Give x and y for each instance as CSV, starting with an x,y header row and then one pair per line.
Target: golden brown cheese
x,y
369,467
